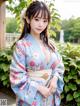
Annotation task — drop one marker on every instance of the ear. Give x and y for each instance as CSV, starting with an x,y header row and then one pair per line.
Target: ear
x,y
27,19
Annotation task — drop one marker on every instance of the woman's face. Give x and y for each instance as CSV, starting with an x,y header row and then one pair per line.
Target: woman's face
x,y
38,24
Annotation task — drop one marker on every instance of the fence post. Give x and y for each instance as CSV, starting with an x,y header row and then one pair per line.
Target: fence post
x,y
2,25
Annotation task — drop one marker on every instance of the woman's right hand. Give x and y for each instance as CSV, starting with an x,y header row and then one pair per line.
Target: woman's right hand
x,y
44,91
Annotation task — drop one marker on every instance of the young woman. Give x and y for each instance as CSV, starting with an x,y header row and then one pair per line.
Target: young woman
x,y
36,70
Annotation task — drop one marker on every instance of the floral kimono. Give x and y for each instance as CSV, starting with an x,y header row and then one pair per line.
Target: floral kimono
x,y
28,54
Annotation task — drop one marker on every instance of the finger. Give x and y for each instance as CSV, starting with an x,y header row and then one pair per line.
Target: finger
x,y
53,87
53,90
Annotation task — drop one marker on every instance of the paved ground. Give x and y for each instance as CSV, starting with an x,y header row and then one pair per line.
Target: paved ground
x,y
6,100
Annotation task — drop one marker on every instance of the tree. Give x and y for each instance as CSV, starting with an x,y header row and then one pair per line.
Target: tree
x,y
11,25
71,29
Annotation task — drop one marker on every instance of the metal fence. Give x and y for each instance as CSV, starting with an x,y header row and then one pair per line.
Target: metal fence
x,y
11,38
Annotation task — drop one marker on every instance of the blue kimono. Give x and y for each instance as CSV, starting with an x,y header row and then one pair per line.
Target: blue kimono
x,y
29,54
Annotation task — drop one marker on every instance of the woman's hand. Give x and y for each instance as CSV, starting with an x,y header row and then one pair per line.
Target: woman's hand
x,y
44,91
53,84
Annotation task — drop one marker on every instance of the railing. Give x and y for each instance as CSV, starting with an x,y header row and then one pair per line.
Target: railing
x,y
11,38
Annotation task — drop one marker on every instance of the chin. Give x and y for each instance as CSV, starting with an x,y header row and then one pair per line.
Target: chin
x,y
38,32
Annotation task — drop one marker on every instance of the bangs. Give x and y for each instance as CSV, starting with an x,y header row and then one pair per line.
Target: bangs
x,y
42,14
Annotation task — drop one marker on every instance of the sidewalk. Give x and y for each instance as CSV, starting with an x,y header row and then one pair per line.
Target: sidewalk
x,y
8,100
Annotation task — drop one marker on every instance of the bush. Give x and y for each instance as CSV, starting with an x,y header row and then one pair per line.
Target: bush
x,y
5,60
71,59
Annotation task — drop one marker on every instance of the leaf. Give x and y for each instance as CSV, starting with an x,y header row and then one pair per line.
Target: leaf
x,y
5,67
67,68
78,81
70,77
77,99
72,86
3,77
78,61
69,97
66,88
9,57
5,82
78,104
52,33
75,76
66,79
73,64
73,72
76,94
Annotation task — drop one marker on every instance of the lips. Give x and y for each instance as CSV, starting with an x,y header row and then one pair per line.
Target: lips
x,y
39,29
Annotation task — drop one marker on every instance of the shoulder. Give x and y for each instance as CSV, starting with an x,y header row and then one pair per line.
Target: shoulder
x,y
20,43
24,42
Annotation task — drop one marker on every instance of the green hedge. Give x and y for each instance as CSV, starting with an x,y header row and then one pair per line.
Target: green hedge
x,y
71,58
5,60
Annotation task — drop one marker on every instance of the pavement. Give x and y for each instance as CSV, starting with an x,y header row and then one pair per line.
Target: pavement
x,y
7,100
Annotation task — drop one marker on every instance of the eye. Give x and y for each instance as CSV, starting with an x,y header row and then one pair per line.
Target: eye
x,y
36,19
45,20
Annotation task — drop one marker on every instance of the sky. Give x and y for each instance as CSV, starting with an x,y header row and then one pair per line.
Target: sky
x,y
66,8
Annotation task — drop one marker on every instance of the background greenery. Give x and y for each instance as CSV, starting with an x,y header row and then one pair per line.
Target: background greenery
x,y
11,25
71,58
71,29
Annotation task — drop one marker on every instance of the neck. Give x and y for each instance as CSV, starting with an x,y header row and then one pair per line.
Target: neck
x,y
36,36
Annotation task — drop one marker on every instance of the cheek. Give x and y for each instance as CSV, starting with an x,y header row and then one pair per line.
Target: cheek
x,y
32,23
45,25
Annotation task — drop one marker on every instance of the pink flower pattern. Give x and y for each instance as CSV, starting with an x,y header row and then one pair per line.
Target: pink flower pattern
x,y
34,103
32,63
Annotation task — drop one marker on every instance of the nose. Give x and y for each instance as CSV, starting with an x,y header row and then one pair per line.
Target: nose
x,y
40,24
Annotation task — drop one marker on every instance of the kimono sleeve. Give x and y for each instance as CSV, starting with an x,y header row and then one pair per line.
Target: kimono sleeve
x,y
23,87
58,71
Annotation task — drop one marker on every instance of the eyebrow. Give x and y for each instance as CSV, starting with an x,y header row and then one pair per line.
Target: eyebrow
x,y
41,17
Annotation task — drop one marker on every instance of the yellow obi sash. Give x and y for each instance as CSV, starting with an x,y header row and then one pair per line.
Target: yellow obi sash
x,y
43,76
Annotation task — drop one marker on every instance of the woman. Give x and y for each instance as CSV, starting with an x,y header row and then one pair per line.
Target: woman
x,y
36,70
